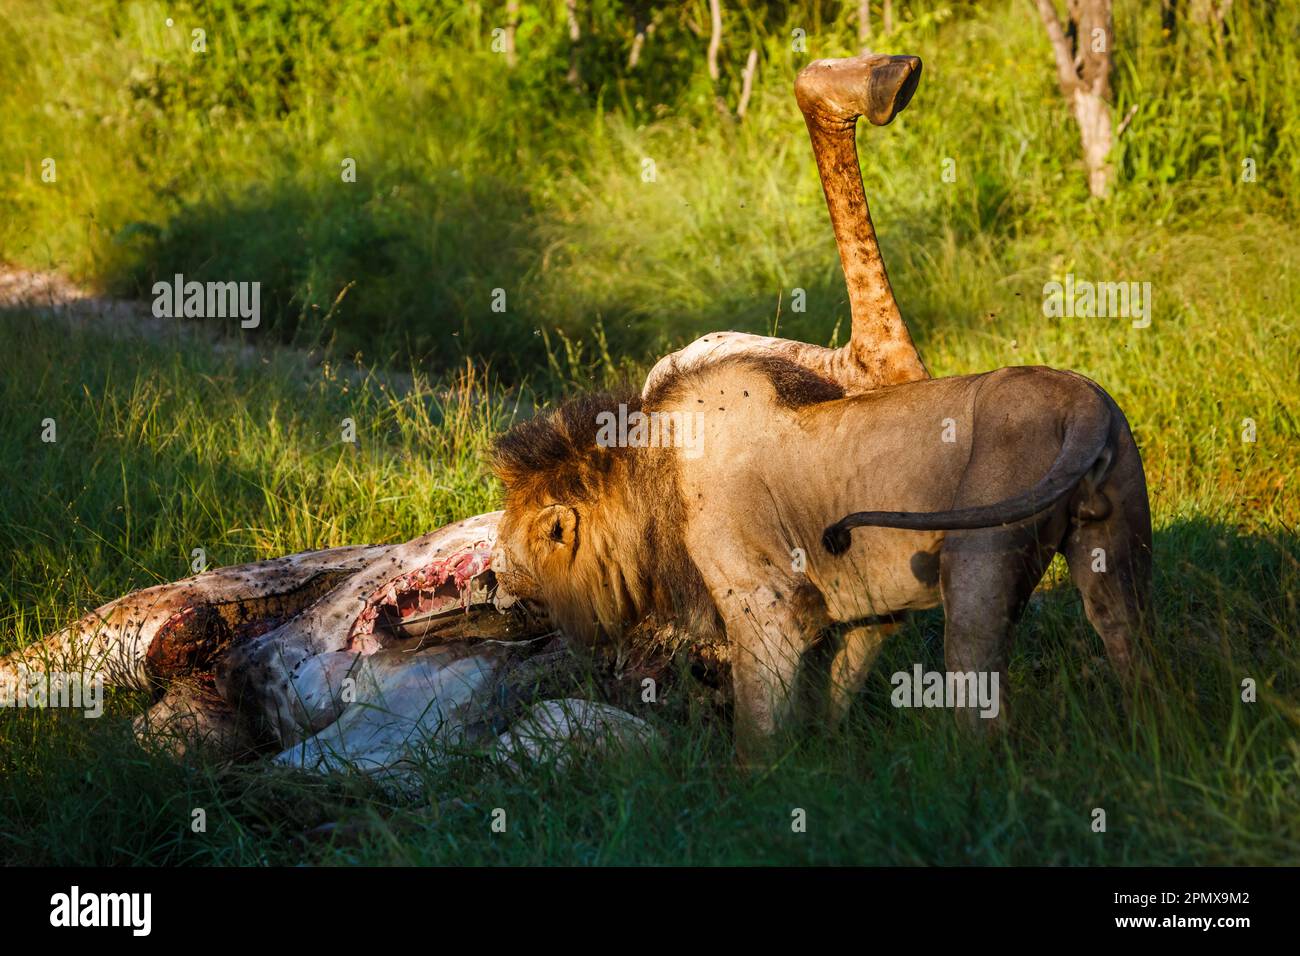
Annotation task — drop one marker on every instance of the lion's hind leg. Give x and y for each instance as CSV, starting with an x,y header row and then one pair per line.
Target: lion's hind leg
x,y
1110,564
987,577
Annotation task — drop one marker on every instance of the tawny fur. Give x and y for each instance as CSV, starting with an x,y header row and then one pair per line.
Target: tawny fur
x,y
1042,460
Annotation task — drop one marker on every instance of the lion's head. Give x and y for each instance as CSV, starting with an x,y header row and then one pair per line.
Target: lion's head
x,y
593,533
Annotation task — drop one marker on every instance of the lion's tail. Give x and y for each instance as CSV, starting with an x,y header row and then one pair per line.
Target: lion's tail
x,y
1086,452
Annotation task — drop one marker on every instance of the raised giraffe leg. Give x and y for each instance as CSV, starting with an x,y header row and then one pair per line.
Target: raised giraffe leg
x,y
832,94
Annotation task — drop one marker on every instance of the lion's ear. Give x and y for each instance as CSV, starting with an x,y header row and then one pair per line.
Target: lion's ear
x,y
557,525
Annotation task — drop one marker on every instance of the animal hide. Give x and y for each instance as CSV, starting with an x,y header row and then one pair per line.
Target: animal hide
x,y
365,658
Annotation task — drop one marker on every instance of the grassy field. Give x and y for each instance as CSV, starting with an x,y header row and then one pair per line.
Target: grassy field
x,y
473,177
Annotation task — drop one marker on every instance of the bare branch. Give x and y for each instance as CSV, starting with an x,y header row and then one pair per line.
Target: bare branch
x,y
575,34
715,38
643,32
1128,118
747,86
1065,74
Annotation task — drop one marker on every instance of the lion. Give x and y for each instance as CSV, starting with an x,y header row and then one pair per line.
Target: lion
x,y
747,540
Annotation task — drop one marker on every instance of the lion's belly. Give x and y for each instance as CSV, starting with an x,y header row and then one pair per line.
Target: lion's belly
x,y
885,572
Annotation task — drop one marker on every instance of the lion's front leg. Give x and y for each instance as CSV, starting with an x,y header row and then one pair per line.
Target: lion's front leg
x,y
767,640
859,647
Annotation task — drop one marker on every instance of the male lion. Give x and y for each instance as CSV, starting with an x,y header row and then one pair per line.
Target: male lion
x,y
747,538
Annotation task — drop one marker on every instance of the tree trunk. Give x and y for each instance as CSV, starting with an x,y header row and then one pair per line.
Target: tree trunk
x,y
864,23
512,24
1083,74
575,34
1209,12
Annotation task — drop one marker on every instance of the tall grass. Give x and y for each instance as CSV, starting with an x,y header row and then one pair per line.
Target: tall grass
x,y
473,177
167,446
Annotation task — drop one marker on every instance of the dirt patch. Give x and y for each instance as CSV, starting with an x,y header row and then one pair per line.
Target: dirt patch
x,y
55,296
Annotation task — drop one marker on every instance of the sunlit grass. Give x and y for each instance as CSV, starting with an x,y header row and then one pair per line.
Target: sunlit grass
x,y
471,177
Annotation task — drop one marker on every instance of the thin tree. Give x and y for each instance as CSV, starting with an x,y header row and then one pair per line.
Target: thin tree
x,y
1083,63
715,37
747,83
645,28
512,24
575,34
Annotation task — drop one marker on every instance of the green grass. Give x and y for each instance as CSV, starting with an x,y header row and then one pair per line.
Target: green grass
x,y
164,447
471,179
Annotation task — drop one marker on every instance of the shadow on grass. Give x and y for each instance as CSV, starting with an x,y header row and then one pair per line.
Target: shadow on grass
x,y
406,272
419,274
1187,774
